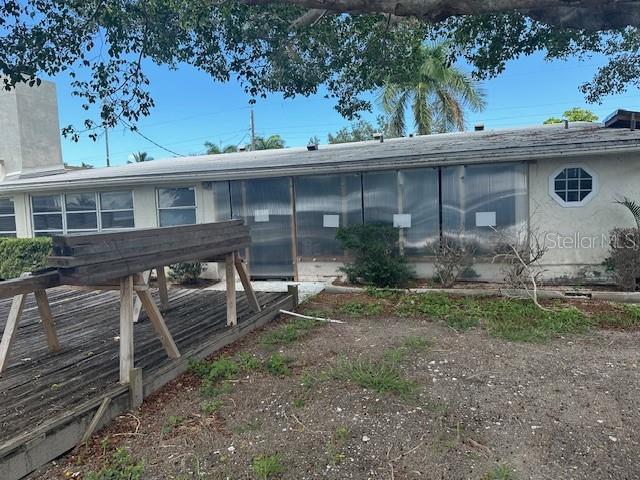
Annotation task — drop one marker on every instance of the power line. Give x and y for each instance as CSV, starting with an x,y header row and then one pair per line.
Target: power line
x,y
133,129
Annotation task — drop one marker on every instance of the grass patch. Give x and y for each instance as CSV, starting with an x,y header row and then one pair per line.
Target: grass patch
x,y
267,466
248,362
212,389
407,345
171,423
211,406
383,293
222,368
381,376
121,466
625,317
278,365
357,309
500,472
290,332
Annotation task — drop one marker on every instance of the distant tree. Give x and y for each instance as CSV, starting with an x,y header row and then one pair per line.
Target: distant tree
x,y
438,93
360,131
140,157
315,140
86,165
271,142
575,114
214,149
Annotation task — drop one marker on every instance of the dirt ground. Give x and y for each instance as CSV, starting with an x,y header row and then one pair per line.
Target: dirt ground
x,y
484,408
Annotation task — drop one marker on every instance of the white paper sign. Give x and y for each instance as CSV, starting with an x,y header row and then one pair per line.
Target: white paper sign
x,y
402,220
331,221
485,219
261,216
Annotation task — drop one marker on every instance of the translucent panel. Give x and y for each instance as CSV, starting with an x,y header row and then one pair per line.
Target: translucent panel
x,y
116,200
82,221
380,199
182,216
319,199
419,198
121,219
265,206
76,202
499,189
176,197
221,201
6,206
46,203
48,234
49,221
8,224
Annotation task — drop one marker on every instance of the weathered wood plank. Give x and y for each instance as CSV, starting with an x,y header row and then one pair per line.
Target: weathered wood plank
x,y
230,277
246,282
29,283
126,328
11,329
159,324
95,421
161,278
47,320
137,304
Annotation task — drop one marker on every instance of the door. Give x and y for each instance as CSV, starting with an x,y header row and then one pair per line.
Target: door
x,y
265,205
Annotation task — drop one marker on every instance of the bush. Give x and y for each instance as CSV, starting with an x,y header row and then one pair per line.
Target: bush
x,y
376,259
452,260
624,260
19,255
186,273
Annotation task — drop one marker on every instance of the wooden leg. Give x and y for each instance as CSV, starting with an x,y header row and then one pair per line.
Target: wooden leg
x,y
137,303
158,323
246,283
232,317
47,320
162,288
11,328
126,328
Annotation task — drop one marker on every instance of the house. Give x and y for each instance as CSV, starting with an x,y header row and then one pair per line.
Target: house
x,y
559,181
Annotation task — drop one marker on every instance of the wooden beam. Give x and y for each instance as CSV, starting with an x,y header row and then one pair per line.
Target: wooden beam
x,y
161,278
136,394
246,283
94,422
137,304
232,317
159,324
29,283
293,291
47,320
126,328
11,328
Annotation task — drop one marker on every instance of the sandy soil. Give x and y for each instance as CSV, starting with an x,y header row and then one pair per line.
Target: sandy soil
x,y
565,409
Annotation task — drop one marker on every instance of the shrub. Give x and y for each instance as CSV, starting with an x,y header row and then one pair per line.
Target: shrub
x,y
624,260
376,259
186,273
452,260
267,466
278,365
122,466
19,255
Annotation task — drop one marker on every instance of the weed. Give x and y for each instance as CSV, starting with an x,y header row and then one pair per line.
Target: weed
x,y
308,381
277,365
406,346
381,376
341,436
171,423
299,402
121,466
500,472
222,368
290,332
212,389
382,293
248,362
432,305
339,440
357,309
250,426
211,406
623,317
267,466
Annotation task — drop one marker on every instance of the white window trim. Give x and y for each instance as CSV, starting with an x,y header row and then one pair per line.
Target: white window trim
x,y
585,200
115,210
5,215
193,207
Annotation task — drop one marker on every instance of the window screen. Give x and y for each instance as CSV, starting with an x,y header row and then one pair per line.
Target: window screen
x,y
176,206
7,218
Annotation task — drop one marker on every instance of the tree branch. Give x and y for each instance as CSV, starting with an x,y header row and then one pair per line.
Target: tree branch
x,y
590,15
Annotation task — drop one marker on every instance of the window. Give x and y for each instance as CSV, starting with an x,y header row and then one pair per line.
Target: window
x,y
176,206
572,186
116,210
7,218
82,212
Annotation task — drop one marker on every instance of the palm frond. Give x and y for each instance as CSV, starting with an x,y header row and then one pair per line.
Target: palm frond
x,y
633,207
393,99
422,111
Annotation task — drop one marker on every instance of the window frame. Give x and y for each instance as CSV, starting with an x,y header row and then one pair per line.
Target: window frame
x,y
579,203
114,210
10,233
193,207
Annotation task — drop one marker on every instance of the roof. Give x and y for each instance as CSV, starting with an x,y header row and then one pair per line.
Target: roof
x,y
487,146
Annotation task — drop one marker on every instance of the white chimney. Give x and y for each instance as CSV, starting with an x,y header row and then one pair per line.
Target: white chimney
x,y
29,131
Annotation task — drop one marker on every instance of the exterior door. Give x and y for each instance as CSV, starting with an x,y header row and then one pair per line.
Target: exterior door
x,y
265,205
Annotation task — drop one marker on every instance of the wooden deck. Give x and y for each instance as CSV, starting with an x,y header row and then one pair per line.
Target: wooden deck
x,y
47,400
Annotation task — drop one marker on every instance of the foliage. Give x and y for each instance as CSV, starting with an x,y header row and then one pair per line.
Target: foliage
x,y
272,142
438,93
20,255
359,131
214,149
358,309
267,466
624,257
633,207
278,365
139,157
211,406
185,273
575,114
121,466
380,376
374,256
452,259
248,362
222,368
500,472
290,332
625,317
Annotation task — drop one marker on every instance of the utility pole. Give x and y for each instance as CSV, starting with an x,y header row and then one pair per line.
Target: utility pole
x,y
106,144
253,132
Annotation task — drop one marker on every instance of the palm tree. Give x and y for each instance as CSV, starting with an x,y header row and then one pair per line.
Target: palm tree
x,y
438,93
140,157
269,143
213,149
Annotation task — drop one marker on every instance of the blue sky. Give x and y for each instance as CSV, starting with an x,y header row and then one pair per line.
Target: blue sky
x,y
191,108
